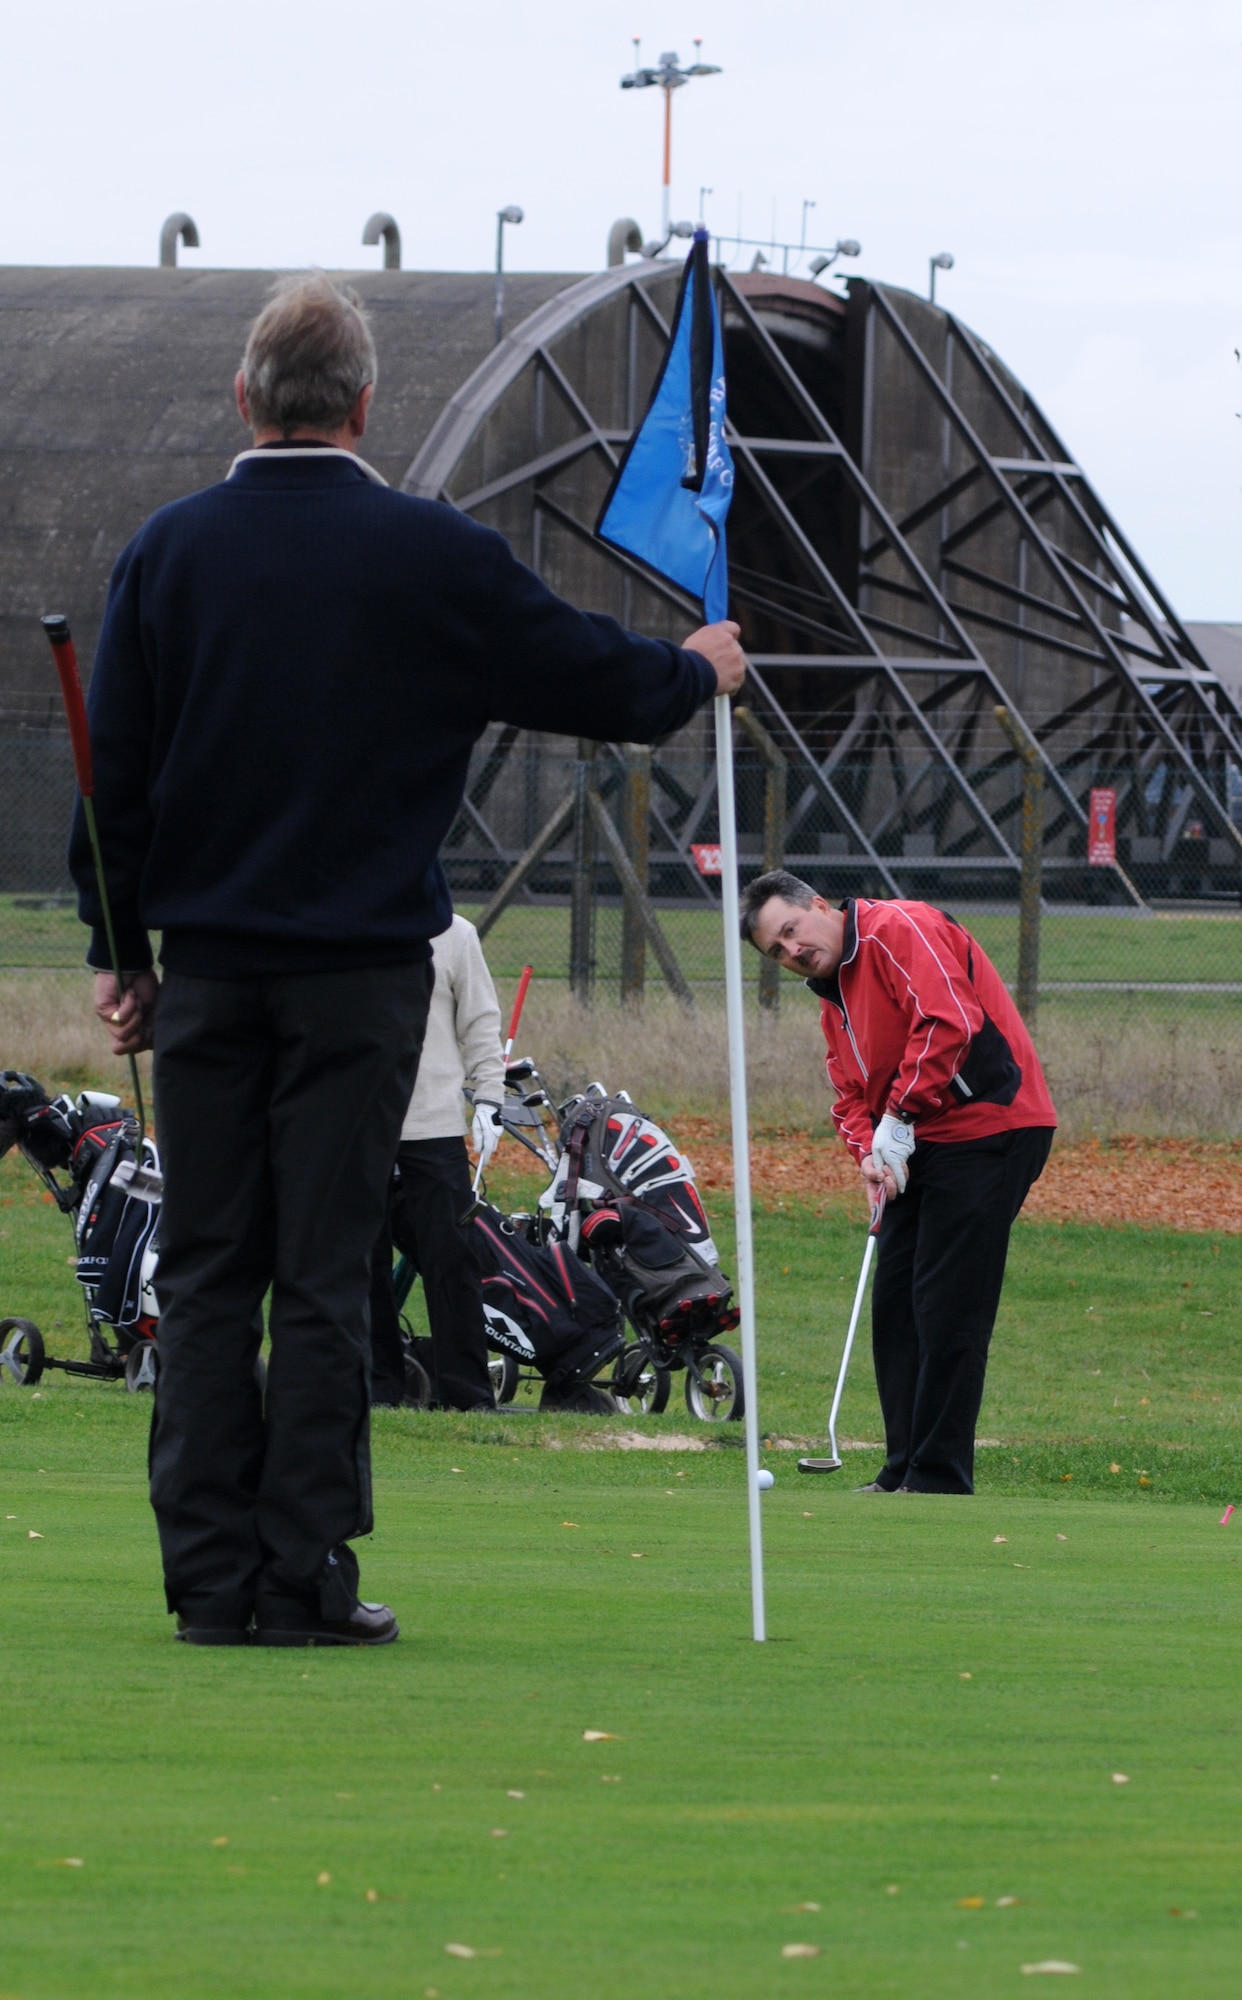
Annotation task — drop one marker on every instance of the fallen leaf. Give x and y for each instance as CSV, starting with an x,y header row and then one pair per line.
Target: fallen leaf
x,y
1066,1477
33,1535
804,1909
892,1890
500,1833
808,1517
1052,1965
1143,1480
1007,1902
221,1840
1063,1538
965,1677
1120,1778
517,1795
71,1861
323,1878
1000,1538
799,1951
1114,1468
1183,1913
454,1468
971,1902
461,1951
569,1524
373,1895
610,1778
636,1555
600,1736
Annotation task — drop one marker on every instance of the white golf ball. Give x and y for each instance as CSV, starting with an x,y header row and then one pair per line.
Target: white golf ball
x,y
765,1480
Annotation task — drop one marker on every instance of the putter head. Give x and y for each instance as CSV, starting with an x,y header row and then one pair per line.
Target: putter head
x,y
819,1465
468,1214
143,1183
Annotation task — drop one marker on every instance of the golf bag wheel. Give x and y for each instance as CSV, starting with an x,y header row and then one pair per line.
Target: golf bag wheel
x,y
142,1366
23,1352
417,1385
714,1391
503,1370
641,1389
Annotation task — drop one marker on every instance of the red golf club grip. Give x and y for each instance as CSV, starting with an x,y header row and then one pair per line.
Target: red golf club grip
x,y
519,1002
57,629
877,1212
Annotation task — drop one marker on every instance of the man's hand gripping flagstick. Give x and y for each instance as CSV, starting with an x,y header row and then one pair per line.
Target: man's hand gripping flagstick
x,y
667,508
481,1136
134,1175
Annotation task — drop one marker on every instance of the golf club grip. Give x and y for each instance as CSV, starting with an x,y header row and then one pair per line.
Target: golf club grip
x,y
518,1004
57,629
877,1212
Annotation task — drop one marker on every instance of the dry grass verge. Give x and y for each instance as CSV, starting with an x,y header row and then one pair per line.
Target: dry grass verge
x,y
1114,1068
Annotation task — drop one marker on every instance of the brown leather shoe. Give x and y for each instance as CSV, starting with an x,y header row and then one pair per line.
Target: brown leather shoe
x,y
368,1625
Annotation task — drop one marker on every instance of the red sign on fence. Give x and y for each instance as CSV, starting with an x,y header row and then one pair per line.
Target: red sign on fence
x,y
1102,827
707,857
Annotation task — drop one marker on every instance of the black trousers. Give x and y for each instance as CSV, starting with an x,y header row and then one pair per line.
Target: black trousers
x,y
428,1202
940,1265
279,1102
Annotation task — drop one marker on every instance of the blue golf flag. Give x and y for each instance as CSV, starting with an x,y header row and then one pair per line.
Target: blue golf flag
x,y
668,501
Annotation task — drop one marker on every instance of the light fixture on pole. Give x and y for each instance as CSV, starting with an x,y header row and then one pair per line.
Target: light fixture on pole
x,y
942,261
848,246
503,215
670,77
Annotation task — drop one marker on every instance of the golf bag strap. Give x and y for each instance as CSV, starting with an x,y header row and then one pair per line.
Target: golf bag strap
x,y
575,1150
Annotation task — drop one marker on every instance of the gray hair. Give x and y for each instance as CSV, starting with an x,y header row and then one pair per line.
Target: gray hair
x,y
777,882
308,357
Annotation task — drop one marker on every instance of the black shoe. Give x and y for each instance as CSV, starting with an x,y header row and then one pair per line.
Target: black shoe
x,y
367,1625
874,1486
211,1635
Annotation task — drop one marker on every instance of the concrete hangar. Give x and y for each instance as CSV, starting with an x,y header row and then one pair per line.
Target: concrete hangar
x,y
911,547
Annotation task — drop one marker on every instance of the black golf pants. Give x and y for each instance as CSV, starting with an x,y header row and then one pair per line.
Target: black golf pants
x,y
279,1103
940,1265
429,1200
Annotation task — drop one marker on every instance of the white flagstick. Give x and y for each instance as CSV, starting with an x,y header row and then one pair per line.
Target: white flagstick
x,y
741,1143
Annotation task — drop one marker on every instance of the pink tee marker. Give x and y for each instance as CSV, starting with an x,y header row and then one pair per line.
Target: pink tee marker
x,y
1225,1517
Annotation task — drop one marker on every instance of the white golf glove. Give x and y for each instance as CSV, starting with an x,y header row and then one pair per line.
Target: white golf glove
x,y
892,1146
485,1132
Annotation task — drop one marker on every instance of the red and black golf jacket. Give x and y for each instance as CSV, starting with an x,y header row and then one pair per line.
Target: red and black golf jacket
x,y
919,1023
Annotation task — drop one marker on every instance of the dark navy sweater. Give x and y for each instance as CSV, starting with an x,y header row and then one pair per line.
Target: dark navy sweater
x,y
293,668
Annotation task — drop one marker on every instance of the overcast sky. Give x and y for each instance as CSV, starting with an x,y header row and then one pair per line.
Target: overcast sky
x,y
1080,158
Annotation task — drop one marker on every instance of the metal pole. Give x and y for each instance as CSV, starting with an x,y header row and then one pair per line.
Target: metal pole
x,y
741,1146
774,788
582,891
499,311
1027,995
635,827
666,210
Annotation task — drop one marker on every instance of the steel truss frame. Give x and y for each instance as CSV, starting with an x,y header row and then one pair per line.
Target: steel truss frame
x,y
877,664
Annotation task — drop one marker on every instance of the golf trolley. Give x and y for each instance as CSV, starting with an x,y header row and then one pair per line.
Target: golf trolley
x,y
622,1197
112,1196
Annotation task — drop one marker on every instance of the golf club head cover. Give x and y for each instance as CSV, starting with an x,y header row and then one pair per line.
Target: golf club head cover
x,y
892,1146
485,1131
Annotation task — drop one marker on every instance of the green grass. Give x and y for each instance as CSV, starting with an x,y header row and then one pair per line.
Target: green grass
x,y
1175,948
1072,947
937,1713
205,1793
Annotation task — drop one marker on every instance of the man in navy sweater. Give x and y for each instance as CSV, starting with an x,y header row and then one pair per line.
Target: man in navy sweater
x,y
293,669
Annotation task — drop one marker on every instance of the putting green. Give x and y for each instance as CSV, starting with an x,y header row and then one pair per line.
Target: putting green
x,y
937,1726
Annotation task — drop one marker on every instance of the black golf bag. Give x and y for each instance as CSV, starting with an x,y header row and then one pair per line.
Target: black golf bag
x,y
89,1139
623,1195
547,1309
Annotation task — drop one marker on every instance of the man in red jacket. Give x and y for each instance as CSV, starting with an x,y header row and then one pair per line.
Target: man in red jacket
x,y
941,1100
